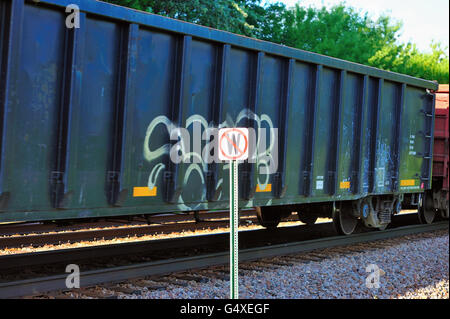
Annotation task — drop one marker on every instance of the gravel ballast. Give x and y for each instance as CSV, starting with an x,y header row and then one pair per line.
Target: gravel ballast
x,y
416,268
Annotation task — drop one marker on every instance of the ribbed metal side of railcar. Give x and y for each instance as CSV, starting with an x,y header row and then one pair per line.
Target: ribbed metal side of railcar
x,y
86,115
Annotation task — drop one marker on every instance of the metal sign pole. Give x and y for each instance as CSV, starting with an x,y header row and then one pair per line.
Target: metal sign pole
x,y
233,147
234,227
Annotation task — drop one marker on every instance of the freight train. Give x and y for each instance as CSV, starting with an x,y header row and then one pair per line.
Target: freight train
x,y
93,97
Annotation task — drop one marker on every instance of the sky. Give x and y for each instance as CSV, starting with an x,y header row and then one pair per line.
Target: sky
x,y
423,21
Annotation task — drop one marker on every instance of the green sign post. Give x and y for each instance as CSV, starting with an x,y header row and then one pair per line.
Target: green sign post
x,y
233,147
234,228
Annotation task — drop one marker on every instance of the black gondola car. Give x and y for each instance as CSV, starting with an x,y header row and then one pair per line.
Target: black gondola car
x,y
86,113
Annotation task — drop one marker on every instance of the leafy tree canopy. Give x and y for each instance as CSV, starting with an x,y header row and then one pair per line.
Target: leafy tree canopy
x,y
339,31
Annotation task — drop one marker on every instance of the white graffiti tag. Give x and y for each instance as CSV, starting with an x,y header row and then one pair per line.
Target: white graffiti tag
x,y
264,155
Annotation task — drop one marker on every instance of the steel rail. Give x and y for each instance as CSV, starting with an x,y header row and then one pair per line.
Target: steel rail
x,y
115,274
23,228
278,236
157,226
293,233
106,234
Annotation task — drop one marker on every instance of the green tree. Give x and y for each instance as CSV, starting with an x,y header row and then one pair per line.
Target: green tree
x,y
227,15
273,22
340,31
344,33
407,59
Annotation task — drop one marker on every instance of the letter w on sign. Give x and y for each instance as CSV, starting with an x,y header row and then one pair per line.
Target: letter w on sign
x,y
233,144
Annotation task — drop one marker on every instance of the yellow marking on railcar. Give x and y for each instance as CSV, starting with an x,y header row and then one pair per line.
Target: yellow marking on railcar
x,y
144,192
345,185
407,182
266,189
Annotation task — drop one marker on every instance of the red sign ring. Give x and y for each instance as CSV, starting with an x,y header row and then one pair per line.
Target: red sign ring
x,y
235,146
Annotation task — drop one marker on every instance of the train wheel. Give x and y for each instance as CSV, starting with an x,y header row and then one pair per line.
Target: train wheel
x,y
343,219
306,218
426,216
268,217
427,213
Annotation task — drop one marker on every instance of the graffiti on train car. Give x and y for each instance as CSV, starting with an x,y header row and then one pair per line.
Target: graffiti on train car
x,y
263,152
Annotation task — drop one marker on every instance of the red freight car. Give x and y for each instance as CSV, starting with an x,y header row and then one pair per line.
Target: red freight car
x,y
440,161
436,200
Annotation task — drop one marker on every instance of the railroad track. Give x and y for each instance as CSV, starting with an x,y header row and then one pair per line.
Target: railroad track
x,y
12,236
32,286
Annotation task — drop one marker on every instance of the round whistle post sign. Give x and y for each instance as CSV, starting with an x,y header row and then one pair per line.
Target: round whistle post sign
x,y
233,144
